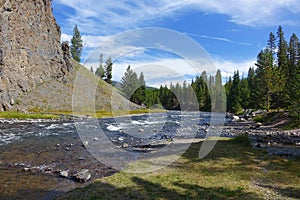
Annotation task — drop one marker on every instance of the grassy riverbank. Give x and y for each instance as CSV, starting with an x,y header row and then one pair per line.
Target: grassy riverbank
x,y
21,115
233,170
36,114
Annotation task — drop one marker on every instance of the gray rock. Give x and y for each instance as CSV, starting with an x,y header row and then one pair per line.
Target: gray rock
x,y
141,130
125,145
83,176
64,173
235,118
85,143
30,51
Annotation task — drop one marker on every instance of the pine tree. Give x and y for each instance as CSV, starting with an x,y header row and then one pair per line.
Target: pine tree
x,y
92,70
252,102
234,97
76,44
272,43
220,98
282,71
139,94
100,72
264,78
129,82
108,70
245,93
293,82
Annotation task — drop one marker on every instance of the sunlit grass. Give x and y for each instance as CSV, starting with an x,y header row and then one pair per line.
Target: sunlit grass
x,y
232,170
21,115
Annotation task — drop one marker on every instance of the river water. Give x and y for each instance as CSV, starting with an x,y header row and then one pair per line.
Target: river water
x,y
33,153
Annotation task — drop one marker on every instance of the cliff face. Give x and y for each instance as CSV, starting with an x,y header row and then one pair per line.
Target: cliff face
x,y
30,49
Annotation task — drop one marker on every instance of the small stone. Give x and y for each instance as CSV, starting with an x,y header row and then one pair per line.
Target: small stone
x,y
120,138
96,139
26,169
298,143
58,145
83,176
141,130
67,148
235,118
85,143
125,145
71,144
64,173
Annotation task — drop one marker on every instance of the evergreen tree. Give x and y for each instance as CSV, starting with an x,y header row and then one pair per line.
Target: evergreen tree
x,y
100,72
272,43
234,97
92,70
293,81
108,70
139,94
220,98
245,93
129,82
283,67
252,102
264,78
76,44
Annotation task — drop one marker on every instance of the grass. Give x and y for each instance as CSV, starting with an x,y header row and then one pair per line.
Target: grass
x,y
232,170
107,113
39,114
21,115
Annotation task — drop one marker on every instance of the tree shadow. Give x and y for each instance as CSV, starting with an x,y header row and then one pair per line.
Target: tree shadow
x,y
144,189
245,158
32,194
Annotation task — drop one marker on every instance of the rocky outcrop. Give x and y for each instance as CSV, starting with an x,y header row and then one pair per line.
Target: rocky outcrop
x,y
30,49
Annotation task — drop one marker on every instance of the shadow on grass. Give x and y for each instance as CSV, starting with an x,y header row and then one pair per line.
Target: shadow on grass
x,y
144,189
228,172
238,157
31,194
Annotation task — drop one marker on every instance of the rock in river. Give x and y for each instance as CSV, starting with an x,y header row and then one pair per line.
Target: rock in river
x,y
64,173
83,176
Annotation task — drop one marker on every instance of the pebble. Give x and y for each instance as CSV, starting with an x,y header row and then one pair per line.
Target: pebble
x,y
26,169
125,145
64,173
141,130
96,139
85,143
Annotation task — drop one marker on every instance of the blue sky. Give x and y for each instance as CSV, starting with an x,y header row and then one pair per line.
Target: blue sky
x,y
231,32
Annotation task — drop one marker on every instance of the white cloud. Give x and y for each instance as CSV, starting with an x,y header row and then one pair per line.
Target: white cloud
x,y
228,67
107,17
163,71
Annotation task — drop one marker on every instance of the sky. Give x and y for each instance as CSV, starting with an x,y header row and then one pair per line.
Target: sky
x,y
229,34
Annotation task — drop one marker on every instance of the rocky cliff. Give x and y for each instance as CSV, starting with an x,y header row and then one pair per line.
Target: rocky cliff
x,y
30,50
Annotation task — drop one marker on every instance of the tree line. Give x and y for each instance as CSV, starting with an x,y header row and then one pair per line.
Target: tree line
x,y
274,82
